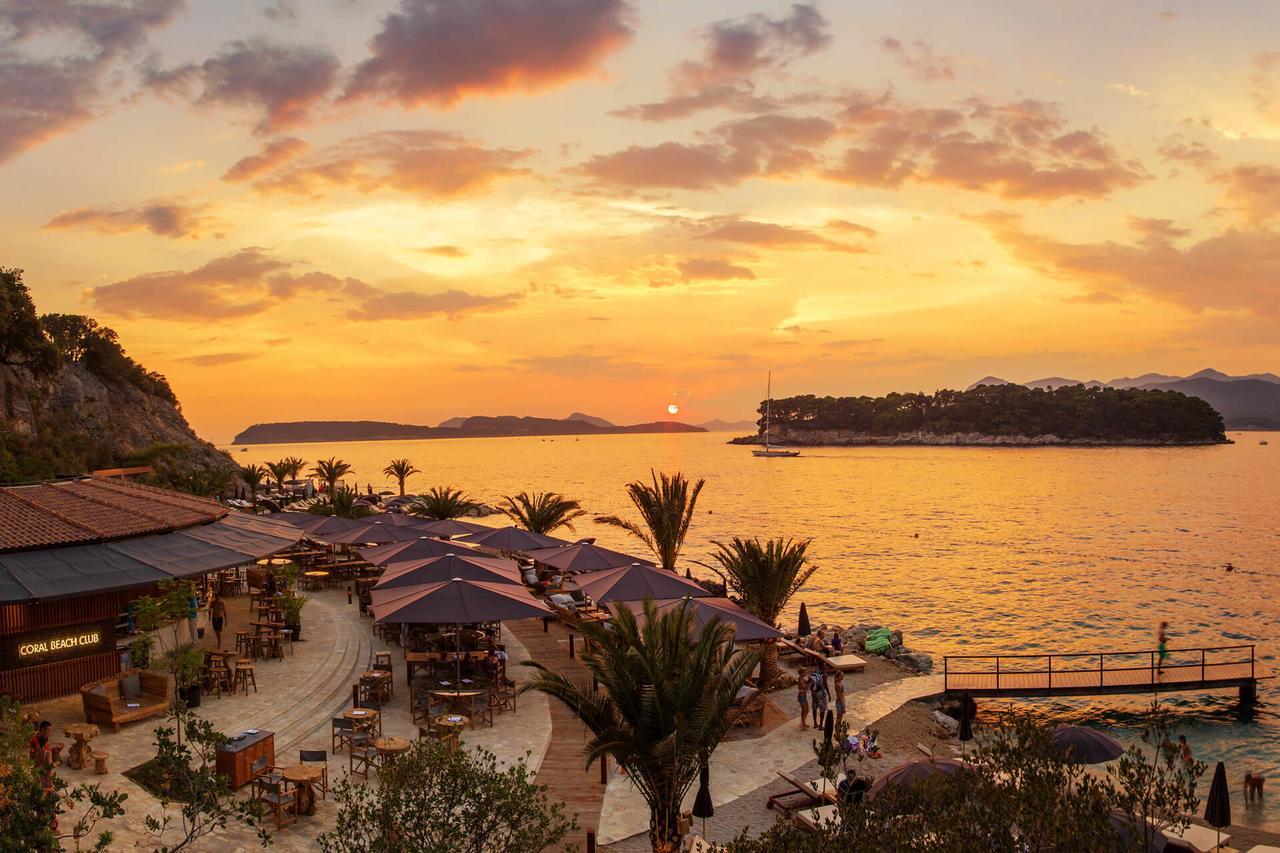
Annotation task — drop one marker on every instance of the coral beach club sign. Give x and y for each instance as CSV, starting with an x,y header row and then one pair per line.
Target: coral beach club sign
x,y
59,644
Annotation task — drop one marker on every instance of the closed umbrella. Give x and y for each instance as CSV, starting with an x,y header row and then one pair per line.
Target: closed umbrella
x,y
1217,810
1086,746
636,582
414,549
433,569
913,772
702,805
966,727
803,629
747,626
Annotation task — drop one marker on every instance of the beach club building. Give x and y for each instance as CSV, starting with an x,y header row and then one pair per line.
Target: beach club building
x,y
75,553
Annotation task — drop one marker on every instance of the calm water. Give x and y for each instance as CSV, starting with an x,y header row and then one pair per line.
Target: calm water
x,y
968,550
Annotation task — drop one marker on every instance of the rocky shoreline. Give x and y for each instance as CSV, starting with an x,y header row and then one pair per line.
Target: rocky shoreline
x,y
846,438
855,642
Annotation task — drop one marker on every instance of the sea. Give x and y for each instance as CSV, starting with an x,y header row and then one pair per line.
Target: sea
x,y
967,550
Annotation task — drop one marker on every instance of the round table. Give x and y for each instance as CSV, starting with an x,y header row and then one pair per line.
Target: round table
x,y
362,717
82,733
453,723
304,776
390,748
275,561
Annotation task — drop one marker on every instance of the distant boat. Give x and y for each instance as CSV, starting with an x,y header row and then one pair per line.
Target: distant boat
x,y
1263,441
769,450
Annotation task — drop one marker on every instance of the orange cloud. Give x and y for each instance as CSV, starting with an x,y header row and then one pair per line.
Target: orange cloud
x,y
427,163
1266,84
437,52
712,269
282,83
164,219
274,154
372,303
1237,269
445,251
771,235
1188,152
217,359
1253,189
918,58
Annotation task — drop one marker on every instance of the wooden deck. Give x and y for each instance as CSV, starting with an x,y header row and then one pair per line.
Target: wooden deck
x,y
563,768
1095,674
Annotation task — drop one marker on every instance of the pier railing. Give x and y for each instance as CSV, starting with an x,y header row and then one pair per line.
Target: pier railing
x,y
1081,670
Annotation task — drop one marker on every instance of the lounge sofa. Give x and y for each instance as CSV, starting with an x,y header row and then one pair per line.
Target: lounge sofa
x,y
131,695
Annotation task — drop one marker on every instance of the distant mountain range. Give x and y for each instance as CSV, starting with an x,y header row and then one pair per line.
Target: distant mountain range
x,y
718,425
472,427
1245,402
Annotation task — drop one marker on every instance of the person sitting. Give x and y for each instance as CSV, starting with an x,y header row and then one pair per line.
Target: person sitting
x,y
837,643
852,788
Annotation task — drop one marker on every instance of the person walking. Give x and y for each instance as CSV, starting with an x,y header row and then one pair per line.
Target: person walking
x,y
217,618
818,692
802,696
839,687
1162,648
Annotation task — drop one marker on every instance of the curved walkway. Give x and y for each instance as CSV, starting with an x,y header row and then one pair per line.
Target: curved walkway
x,y
741,766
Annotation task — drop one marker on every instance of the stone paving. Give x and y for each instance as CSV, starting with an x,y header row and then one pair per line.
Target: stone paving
x,y
741,766
296,699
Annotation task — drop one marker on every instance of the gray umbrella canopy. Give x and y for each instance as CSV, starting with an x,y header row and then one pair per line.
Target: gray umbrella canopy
x,y
511,540
452,527
456,602
375,533
414,549
582,557
636,582
327,526
1086,746
398,520
435,569
747,627
913,772
300,520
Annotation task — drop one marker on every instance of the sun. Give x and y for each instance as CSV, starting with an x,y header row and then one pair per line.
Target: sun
x,y
673,409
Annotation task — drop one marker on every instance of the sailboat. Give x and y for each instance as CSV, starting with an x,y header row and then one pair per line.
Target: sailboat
x,y
769,449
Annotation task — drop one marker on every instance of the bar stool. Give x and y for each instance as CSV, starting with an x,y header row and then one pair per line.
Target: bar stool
x,y
244,646
287,635
244,675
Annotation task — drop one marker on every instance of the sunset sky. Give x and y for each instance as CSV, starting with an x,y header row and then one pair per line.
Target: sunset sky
x,y
424,208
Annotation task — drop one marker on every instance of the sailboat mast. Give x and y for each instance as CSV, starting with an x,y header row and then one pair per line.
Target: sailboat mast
x,y
768,410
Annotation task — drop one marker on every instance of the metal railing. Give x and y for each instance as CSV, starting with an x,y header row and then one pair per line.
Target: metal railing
x,y
1154,667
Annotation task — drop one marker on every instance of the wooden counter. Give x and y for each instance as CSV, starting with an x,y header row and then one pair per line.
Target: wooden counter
x,y
235,759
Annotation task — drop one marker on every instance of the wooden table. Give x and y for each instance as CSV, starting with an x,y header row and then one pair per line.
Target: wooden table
x,y
362,717
275,561
235,759
390,748
304,777
455,697
78,755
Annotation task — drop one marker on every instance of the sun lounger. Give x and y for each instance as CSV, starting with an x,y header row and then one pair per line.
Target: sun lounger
x,y
1264,848
1199,838
847,663
801,795
698,844
814,819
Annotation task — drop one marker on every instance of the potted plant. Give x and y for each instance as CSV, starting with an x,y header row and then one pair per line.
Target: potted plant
x,y
291,607
186,668
140,651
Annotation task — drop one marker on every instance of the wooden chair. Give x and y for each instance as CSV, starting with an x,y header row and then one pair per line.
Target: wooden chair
x,y
504,698
362,758
278,800
342,733
320,757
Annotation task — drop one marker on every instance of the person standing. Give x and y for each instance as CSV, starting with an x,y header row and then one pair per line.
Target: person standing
x,y
193,612
802,696
1162,647
818,691
217,618
839,688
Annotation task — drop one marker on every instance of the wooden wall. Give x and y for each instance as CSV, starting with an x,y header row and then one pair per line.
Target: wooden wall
x,y
21,618
51,680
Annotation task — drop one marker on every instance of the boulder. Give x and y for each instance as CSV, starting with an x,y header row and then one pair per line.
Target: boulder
x,y
895,638
919,661
891,653
854,638
949,723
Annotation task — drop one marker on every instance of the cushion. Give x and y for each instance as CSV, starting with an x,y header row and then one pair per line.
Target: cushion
x,y
99,690
131,687
562,599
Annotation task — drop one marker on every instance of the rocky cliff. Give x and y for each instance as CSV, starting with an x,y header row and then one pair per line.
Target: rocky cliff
x,y
70,421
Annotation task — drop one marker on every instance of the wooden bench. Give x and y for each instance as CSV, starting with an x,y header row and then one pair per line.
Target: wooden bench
x,y
104,705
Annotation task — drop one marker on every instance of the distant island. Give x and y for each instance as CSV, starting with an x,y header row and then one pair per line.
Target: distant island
x,y
1245,402
992,414
473,427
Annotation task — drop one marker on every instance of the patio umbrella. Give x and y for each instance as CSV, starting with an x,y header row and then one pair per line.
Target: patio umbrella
x,y
1086,746
511,540
329,526
913,772
300,520
702,805
433,569
803,629
966,727
456,602
414,549
582,557
1217,809
747,628
452,527
636,582
400,520
375,533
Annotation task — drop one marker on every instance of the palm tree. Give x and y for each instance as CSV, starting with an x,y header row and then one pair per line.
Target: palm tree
x,y
331,470
280,471
206,482
252,477
442,502
541,512
666,508
764,577
345,504
296,466
401,469
663,707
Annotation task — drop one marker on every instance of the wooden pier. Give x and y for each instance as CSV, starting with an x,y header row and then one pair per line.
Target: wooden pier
x,y
1103,673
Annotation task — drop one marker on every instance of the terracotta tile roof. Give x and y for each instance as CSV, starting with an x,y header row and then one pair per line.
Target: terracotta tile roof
x,y
94,510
